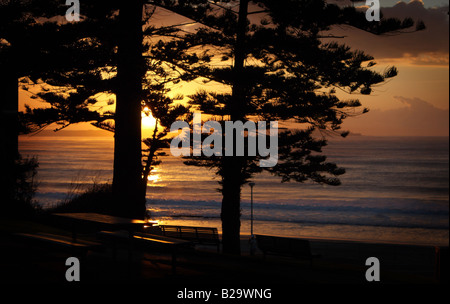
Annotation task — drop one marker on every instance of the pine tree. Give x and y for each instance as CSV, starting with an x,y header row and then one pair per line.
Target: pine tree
x,y
284,69
105,53
18,49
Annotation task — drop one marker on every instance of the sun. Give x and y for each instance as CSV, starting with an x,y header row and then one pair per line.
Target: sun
x,y
148,121
154,178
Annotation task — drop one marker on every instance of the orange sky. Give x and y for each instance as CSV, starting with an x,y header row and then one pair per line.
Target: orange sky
x,y
416,103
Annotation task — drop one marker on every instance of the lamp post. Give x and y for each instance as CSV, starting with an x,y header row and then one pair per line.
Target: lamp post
x,y
252,237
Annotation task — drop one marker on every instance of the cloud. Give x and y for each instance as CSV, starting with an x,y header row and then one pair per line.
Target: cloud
x,y
415,117
432,40
388,3
428,47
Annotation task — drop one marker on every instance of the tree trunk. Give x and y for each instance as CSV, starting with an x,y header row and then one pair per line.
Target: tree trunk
x,y
9,111
231,205
127,179
232,166
9,150
154,146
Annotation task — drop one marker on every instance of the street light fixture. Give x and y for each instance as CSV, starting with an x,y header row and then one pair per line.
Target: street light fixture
x,y
252,237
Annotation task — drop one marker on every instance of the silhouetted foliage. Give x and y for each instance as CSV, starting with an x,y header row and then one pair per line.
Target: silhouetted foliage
x,y
19,188
97,199
77,64
280,67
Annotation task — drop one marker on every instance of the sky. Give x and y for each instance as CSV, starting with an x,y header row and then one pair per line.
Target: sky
x,y
416,102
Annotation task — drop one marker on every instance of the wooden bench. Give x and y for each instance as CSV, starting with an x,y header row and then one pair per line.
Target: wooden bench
x,y
197,235
144,241
76,247
281,246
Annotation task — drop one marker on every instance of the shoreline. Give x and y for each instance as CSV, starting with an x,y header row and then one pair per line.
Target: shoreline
x,y
306,232
355,241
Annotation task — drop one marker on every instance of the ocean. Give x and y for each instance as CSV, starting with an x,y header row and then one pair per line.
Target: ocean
x,y
396,189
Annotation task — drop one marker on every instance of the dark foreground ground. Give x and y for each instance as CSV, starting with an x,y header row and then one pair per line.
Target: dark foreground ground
x,y
340,263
